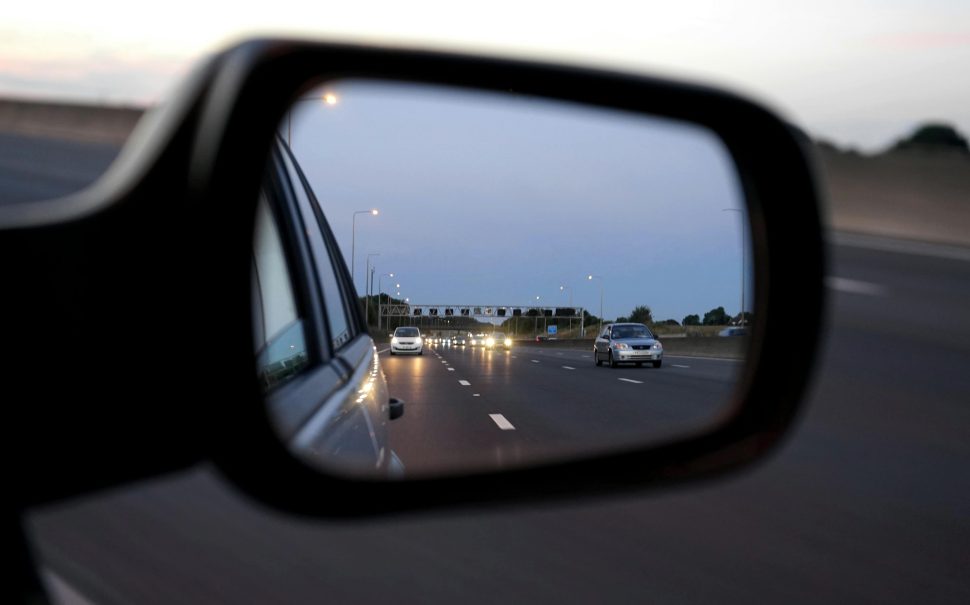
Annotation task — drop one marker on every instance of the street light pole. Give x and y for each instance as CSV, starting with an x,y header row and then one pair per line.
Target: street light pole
x,y
590,278
353,244
744,245
367,288
380,298
563,289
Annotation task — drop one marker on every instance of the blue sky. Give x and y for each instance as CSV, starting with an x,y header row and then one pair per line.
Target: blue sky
x,y
496,199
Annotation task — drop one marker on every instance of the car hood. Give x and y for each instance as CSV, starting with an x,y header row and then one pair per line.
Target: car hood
x,y
638,341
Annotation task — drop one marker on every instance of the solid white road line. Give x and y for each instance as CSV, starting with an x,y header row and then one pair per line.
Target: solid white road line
x,y
568,368
854,286
502,423
464,383
631,380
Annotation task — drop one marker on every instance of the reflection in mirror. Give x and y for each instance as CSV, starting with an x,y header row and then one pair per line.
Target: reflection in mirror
x,y
541,281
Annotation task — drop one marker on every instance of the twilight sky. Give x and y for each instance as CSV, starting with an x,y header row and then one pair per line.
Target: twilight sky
x,y
859,73
488,199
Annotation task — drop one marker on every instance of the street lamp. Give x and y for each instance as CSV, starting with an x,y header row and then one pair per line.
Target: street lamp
x,y
353,243
563,290
327,99
368,275
744,244
535,329
599,277
380,300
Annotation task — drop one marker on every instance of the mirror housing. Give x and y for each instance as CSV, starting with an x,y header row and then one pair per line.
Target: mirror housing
x,y
193,171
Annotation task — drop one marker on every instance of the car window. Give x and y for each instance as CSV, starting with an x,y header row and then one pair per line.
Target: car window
x,y
406,332
334,295
280,343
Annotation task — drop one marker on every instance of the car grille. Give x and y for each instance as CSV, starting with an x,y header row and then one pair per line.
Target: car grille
x,y
641,347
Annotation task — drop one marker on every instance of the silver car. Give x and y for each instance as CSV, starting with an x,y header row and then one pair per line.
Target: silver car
x,y
627,343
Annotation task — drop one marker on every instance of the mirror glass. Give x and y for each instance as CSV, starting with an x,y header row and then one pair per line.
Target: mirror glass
x,y
486,239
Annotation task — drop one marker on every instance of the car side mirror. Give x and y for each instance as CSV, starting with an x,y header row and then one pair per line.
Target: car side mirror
x,y
228,138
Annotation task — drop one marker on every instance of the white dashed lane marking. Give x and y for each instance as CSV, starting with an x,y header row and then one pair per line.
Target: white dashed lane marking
x,y
631,380
502,423
535,361
679,366
568,368
451,369
477,395
464,383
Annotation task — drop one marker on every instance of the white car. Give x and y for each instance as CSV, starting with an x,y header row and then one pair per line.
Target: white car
x,y
407,339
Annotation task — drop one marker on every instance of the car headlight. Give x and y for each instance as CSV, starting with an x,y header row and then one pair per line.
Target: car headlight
x,y
420,341
657,345
620,345
394,340
490,342
508,342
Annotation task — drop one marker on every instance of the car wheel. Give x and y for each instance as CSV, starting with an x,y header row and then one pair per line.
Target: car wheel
x,y
596,358
657,363
392,352
613,363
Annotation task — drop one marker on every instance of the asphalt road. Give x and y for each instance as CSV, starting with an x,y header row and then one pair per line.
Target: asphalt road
x,y
469,407
867,501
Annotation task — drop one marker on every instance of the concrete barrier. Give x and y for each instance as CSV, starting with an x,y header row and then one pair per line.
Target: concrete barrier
x,y
70,121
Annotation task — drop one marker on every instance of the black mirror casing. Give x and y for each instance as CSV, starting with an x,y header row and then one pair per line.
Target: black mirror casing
x,y
216,145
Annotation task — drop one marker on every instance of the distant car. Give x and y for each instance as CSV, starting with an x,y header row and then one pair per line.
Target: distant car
x,y
733,331
627,343
498,339
407,339
477,340
458,341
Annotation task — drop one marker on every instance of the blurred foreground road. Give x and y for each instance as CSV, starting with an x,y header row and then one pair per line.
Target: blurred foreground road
x,y
867,501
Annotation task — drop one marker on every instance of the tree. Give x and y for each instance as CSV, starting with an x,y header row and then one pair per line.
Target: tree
x,y
692,320
716,317
641,315
669,322
933,137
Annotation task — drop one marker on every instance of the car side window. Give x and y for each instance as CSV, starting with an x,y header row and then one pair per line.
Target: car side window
x,y
342,328
278,329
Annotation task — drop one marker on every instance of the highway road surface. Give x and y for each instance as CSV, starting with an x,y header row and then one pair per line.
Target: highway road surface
x,y
470,407
868,501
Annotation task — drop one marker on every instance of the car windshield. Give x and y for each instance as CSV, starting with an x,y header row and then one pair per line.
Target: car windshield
x,y
410,332
499,335
631,332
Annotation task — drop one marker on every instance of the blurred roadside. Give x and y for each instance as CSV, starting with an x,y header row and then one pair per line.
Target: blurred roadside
x,y
909,192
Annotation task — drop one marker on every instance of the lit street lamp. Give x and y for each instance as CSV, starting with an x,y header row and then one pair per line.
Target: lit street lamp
x,y
353,244
327,99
